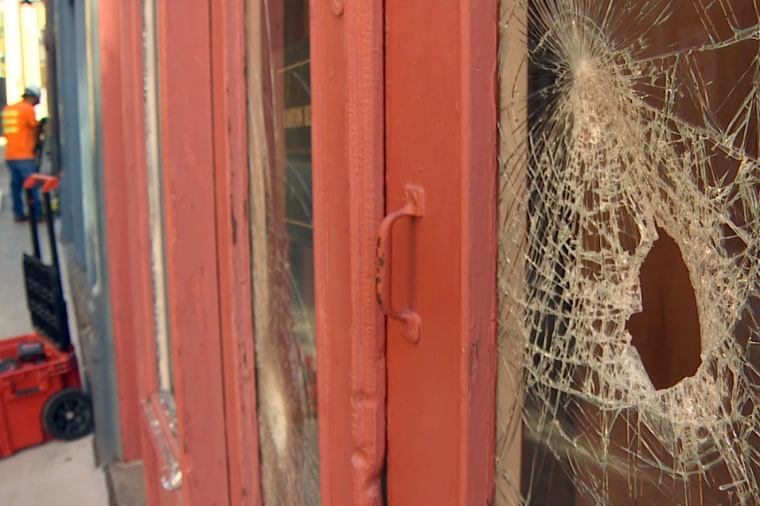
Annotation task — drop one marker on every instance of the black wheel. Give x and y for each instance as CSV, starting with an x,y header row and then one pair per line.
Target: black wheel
x,y
67,415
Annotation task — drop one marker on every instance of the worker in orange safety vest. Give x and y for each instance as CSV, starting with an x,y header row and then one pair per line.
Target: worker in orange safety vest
x,y
20,129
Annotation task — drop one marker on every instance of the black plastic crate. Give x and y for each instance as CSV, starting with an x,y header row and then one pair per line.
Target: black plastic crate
x,y
47,306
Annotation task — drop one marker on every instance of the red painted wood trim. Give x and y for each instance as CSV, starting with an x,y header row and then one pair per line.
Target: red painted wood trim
x,y
332,249
479,248
192,261
137,233
129,244
140,231
441,135
230,134
347,89
366,164
117,222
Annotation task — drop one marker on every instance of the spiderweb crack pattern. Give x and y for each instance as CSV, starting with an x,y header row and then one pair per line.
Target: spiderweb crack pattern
x,y
639,123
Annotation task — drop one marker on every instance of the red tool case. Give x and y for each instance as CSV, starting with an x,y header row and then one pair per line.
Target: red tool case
x,y
40,390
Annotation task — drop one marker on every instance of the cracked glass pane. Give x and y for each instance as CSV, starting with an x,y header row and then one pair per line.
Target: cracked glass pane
x,y
282,245
629,245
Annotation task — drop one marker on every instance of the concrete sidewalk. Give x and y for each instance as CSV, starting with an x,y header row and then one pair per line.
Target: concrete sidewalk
x,y
56,473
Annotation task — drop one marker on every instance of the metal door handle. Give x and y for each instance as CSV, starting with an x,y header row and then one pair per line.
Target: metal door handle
x,y
414,198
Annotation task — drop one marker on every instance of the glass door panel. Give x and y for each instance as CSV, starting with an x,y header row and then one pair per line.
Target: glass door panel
x,y
630,232
283,262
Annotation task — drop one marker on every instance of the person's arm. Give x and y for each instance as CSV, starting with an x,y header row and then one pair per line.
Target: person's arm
x,y
34,125
3,116
32,119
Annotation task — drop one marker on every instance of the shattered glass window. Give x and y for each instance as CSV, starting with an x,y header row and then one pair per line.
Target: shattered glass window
x,y
283,253
629,237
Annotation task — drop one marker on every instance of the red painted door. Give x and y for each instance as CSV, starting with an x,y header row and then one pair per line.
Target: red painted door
x,y
440,106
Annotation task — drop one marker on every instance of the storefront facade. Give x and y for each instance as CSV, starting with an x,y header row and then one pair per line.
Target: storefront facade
x,y
340,248
250,347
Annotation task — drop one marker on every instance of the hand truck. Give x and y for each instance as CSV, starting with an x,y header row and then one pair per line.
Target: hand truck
x,y
41,396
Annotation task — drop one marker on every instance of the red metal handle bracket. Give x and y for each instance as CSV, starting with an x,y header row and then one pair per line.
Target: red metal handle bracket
x,y
414,198
49,183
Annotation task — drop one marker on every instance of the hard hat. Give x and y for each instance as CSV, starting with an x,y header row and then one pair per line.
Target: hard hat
x,y
33,91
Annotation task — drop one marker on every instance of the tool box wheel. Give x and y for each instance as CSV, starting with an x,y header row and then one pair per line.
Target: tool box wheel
x,y
67,415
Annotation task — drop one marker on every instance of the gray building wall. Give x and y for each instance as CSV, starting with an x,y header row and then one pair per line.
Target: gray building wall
x,y
75,36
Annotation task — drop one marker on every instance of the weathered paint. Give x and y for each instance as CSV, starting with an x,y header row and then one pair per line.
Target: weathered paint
x,y
479,248
441,134
125,181
331,251
347,91
147,380
366,166
228,46
192,280
116,184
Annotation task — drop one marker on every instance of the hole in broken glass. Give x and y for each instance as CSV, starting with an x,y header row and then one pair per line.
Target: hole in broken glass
x,y
666,332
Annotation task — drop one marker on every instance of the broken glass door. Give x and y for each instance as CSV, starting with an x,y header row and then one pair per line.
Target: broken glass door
x,y
283,261
630,229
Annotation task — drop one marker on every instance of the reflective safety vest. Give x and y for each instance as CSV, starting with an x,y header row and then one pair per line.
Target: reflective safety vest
x,y
20,131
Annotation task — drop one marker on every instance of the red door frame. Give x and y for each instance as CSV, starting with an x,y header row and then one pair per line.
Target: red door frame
x,y
230,140
121,184
349,159
128,229
209,281
441,133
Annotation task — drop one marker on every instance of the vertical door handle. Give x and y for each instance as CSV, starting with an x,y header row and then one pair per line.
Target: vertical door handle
x,y
414,206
